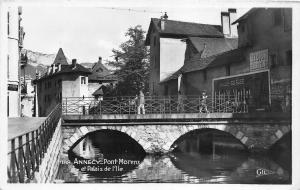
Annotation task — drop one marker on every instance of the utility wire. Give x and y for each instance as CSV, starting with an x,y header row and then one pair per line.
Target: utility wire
x,y
130,9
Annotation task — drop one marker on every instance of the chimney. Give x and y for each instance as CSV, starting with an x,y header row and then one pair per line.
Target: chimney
x,y
225,21
100,59
232,17
48,70
163,21
74,62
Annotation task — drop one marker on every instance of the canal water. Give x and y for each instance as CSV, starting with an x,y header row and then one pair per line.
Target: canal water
x,y
210,157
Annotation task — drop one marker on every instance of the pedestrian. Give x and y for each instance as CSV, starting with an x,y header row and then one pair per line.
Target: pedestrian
x,y
203,104
141,103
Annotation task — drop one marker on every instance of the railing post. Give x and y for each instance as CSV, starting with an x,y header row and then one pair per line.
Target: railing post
x,y
37,148
33,160
13,162
66,106
27,154
20,160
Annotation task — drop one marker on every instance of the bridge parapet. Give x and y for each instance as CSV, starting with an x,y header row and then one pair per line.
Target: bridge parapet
x,y
155,105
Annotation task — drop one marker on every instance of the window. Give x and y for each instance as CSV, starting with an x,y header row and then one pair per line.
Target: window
x,y
273,60
227,70
277,17
8,104
8,23
7,66
288,55
204,75
82,80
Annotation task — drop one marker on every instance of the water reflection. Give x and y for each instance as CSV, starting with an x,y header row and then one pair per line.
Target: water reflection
x,y
212,158
106,154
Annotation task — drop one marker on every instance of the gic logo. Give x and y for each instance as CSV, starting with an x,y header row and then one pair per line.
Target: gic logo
x,y
262,172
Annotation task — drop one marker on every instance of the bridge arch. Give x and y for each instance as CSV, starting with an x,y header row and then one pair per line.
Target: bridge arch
x,y
81,132
202,131
158,138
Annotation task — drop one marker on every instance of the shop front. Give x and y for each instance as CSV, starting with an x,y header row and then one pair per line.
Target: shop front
x,y
248,92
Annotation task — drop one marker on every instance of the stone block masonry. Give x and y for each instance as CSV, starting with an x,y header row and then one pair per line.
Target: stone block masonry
x,y
158,137
49,167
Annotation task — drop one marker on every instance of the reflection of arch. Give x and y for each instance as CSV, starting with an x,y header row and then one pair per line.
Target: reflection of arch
x,y
239,136
82,132
120,157
204,168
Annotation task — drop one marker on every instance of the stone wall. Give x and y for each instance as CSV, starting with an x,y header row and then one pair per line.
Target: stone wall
x,y
50,163
159,137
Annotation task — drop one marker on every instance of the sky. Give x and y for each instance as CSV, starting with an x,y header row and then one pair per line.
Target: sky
x,y
85,33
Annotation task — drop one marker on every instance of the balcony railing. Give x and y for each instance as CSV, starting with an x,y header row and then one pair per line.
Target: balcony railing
x,y
27,150
153,105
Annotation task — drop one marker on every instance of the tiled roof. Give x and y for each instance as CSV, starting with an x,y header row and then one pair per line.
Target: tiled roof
x,y
88,65
99,91
213,46
184,29
101,73
67,69
197,63
60,58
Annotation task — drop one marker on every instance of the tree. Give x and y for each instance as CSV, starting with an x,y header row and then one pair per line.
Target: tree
x,y
131,63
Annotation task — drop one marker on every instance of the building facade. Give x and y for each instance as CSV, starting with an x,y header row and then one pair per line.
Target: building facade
x,y
167,41
259,68
15,35
61,80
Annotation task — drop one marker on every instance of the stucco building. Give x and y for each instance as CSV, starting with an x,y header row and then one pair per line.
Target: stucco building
x,y
61,80
259,68
167,41
15,35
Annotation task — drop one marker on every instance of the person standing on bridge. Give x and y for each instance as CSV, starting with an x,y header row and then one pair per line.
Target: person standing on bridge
x,y
141,103
203,105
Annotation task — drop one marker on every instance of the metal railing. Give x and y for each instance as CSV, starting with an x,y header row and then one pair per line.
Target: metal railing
x,y
152,105
27,150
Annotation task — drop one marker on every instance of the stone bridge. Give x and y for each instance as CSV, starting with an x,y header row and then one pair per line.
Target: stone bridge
x,y
156,133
